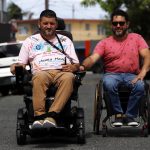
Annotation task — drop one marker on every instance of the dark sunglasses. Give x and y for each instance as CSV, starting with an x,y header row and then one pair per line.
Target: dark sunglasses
x,y
121,23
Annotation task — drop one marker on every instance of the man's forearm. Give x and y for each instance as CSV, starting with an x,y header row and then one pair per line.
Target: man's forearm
x,y
145,54
87,63
146,65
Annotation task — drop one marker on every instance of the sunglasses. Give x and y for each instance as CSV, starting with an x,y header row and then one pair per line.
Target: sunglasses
x,y
121,23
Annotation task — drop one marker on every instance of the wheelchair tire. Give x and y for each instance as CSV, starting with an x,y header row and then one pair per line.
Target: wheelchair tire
x,y
20,134
145,132
21,137
97,108
81,131
148,110
80,126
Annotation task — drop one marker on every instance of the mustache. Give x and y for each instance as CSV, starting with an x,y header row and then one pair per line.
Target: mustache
x,y
118,34
46,29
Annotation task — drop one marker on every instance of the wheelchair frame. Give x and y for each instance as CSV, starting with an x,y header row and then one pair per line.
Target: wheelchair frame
x,y
71,121
102,102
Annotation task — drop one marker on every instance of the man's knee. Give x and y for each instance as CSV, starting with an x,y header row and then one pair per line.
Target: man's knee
x,y
109,84
39,77
140,86
68,76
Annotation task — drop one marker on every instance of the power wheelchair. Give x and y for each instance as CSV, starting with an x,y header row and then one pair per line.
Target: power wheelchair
x,y
102,105
70,120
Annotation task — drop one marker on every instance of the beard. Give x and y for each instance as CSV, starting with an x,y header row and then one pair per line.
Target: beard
x,y
120,32
47,32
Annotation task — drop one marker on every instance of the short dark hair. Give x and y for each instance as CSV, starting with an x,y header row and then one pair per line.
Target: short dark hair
x,y
120,12
48,13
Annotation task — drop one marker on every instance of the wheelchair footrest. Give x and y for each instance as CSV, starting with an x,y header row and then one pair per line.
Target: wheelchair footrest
x,y
55,131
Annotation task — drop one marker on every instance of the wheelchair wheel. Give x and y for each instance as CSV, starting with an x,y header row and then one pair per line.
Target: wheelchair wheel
x,y
81,133
20,134
148,110
97,108
80,126
145,132
144,111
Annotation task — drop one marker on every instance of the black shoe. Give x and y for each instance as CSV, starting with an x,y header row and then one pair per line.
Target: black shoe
x,y
131,122
118,120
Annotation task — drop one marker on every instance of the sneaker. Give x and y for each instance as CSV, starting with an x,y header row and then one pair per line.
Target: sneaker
x,y
37,124
131,122
49,123
118,120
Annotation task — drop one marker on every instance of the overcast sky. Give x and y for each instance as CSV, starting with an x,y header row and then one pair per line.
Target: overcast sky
x,y
63,8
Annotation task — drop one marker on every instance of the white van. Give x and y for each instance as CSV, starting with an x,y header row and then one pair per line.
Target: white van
x,y
8,55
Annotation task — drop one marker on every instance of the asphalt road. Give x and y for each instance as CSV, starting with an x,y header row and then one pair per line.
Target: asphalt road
x,y
8,113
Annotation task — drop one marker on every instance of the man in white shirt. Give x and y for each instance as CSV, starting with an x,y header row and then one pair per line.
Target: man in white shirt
x,y
53,60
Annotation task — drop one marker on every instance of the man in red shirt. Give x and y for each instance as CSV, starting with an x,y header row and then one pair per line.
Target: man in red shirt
x,y
121,53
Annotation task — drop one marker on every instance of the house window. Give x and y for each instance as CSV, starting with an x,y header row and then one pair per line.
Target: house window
x,y
68,27
87,27
101,30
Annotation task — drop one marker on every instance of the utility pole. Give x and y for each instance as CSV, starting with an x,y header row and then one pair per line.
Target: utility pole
x,y
73,11
2,11
46,4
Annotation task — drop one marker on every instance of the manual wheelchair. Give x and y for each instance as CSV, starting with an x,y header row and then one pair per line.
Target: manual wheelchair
x,y
102,105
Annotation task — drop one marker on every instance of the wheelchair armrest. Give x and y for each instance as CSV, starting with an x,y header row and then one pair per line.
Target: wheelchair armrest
x,y
22,76
79,76
19,72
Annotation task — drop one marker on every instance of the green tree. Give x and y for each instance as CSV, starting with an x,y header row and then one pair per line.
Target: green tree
x,y
138,10
14,12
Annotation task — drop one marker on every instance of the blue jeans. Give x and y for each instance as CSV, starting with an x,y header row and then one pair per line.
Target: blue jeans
x,y
111,82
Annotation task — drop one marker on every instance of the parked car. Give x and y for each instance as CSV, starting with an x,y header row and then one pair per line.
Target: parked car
x,y
8,55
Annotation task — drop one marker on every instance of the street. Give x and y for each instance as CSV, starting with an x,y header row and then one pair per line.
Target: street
x,y
9,106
